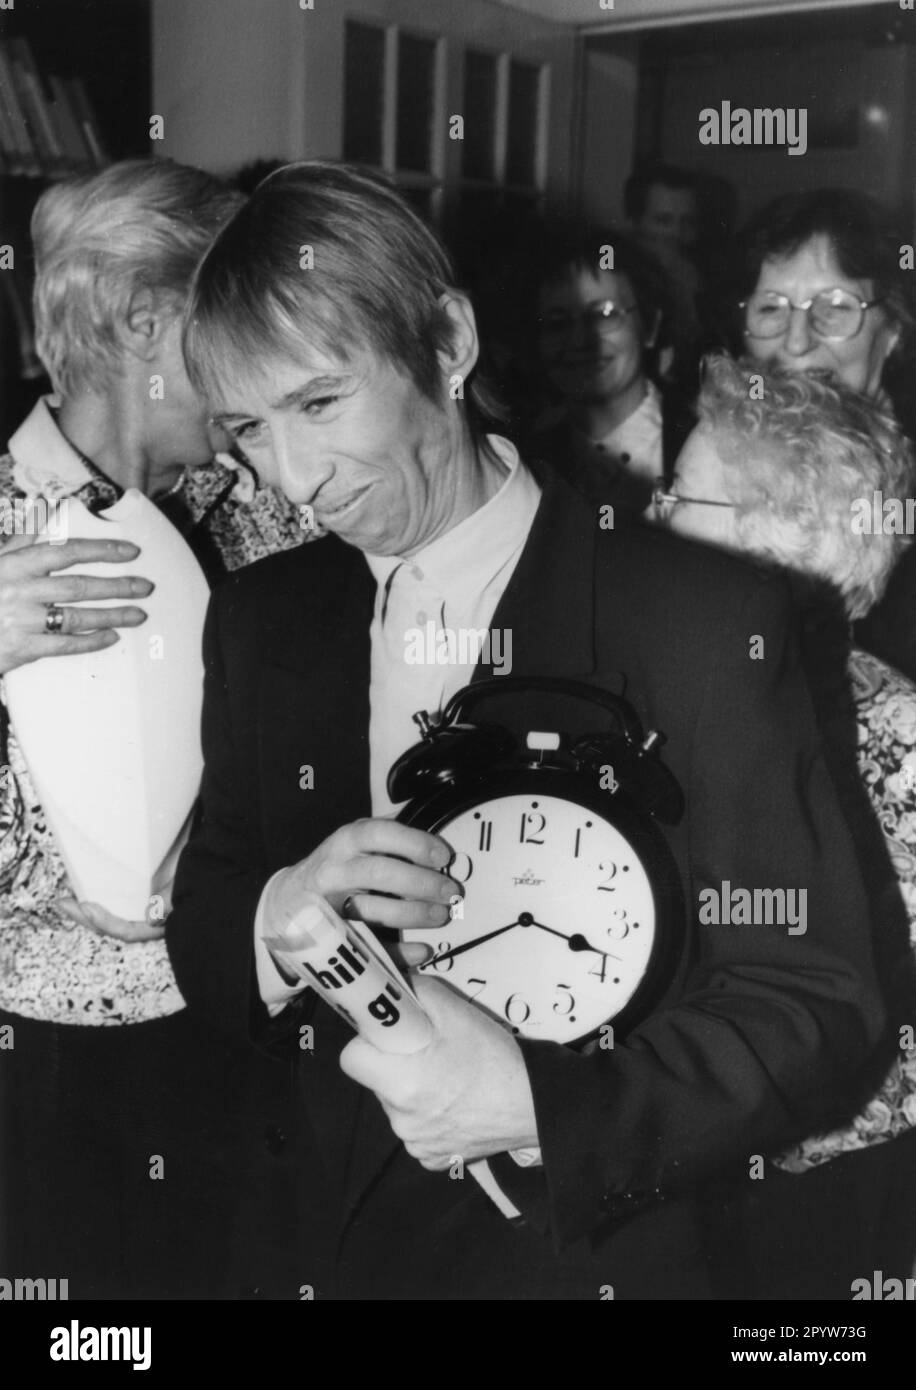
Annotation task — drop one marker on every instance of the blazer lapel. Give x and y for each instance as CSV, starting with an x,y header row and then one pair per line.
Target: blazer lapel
x,y
551,636
313,711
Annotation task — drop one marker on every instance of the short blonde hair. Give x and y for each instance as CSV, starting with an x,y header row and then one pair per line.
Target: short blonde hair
x,y
377,280
97,239
798,452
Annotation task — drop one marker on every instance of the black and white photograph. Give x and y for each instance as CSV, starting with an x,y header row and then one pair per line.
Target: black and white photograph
x,y
458,668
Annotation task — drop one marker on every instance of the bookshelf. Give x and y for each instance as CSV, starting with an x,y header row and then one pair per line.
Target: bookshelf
x,y
47,124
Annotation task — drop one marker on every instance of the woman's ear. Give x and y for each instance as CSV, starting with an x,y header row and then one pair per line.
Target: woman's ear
x,y
144,323
459,357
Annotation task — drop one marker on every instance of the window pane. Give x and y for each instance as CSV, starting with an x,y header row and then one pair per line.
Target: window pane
x,y
521,148
416,76
479,149
520,208
421,200
477,207
364,78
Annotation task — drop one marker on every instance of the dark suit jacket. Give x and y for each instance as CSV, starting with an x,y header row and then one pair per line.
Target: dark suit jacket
x,y
761,1035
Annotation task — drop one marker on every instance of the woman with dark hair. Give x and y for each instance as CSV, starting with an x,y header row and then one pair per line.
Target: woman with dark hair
x,y
600,303
823,290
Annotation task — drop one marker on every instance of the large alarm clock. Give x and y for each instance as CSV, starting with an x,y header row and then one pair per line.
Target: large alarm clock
x,y
572,909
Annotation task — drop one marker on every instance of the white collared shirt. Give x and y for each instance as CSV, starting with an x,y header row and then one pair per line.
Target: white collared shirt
x,y
637,443
431,610
45,463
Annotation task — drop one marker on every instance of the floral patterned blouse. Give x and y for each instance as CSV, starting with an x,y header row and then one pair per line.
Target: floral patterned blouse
x,y
885,703
51,968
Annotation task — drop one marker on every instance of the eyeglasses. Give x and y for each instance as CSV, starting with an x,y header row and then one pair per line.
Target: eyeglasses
x,y
604,316
665,497
834,315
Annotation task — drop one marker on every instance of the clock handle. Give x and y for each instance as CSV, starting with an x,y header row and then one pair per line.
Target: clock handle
x,y
460,705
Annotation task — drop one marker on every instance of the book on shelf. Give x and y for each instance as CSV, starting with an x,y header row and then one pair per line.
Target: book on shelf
x,y
88,124
76,151
22,154
34,102
47,126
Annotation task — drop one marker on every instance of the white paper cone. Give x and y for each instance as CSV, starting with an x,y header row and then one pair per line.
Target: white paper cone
x,y
112,738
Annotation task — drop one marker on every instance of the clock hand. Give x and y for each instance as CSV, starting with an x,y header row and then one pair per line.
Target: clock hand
x,y
457,950
576,942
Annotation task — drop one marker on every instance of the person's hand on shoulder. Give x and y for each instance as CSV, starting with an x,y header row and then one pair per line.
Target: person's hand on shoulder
x,y
35,617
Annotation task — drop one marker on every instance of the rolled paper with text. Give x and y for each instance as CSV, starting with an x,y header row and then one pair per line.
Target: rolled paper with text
x,y
112,738
343,962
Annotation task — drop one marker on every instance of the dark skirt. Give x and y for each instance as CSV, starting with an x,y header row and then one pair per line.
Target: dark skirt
x,y
149,1160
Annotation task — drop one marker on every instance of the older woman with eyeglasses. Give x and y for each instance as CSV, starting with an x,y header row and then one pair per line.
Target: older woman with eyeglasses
x,y
823,288
783,468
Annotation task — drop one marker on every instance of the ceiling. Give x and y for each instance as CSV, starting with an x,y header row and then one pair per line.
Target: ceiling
x,y
627,14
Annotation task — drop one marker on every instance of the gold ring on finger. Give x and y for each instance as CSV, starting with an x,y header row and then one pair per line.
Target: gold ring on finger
x,y
54,617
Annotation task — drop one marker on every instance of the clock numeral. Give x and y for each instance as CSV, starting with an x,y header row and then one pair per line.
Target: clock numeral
x,y
475,980
486,836
516,1009
461,868
607,886
600,969
569,1001
530,829
620,926
579,830
443,966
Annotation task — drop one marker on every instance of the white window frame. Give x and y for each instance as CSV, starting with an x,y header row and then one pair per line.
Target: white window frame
x,y
445,181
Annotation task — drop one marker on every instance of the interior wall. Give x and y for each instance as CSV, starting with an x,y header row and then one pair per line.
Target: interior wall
x,y
611,84
239,80
222,79
829,78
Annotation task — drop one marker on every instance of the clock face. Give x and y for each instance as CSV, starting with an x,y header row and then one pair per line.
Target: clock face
x,y
556,929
